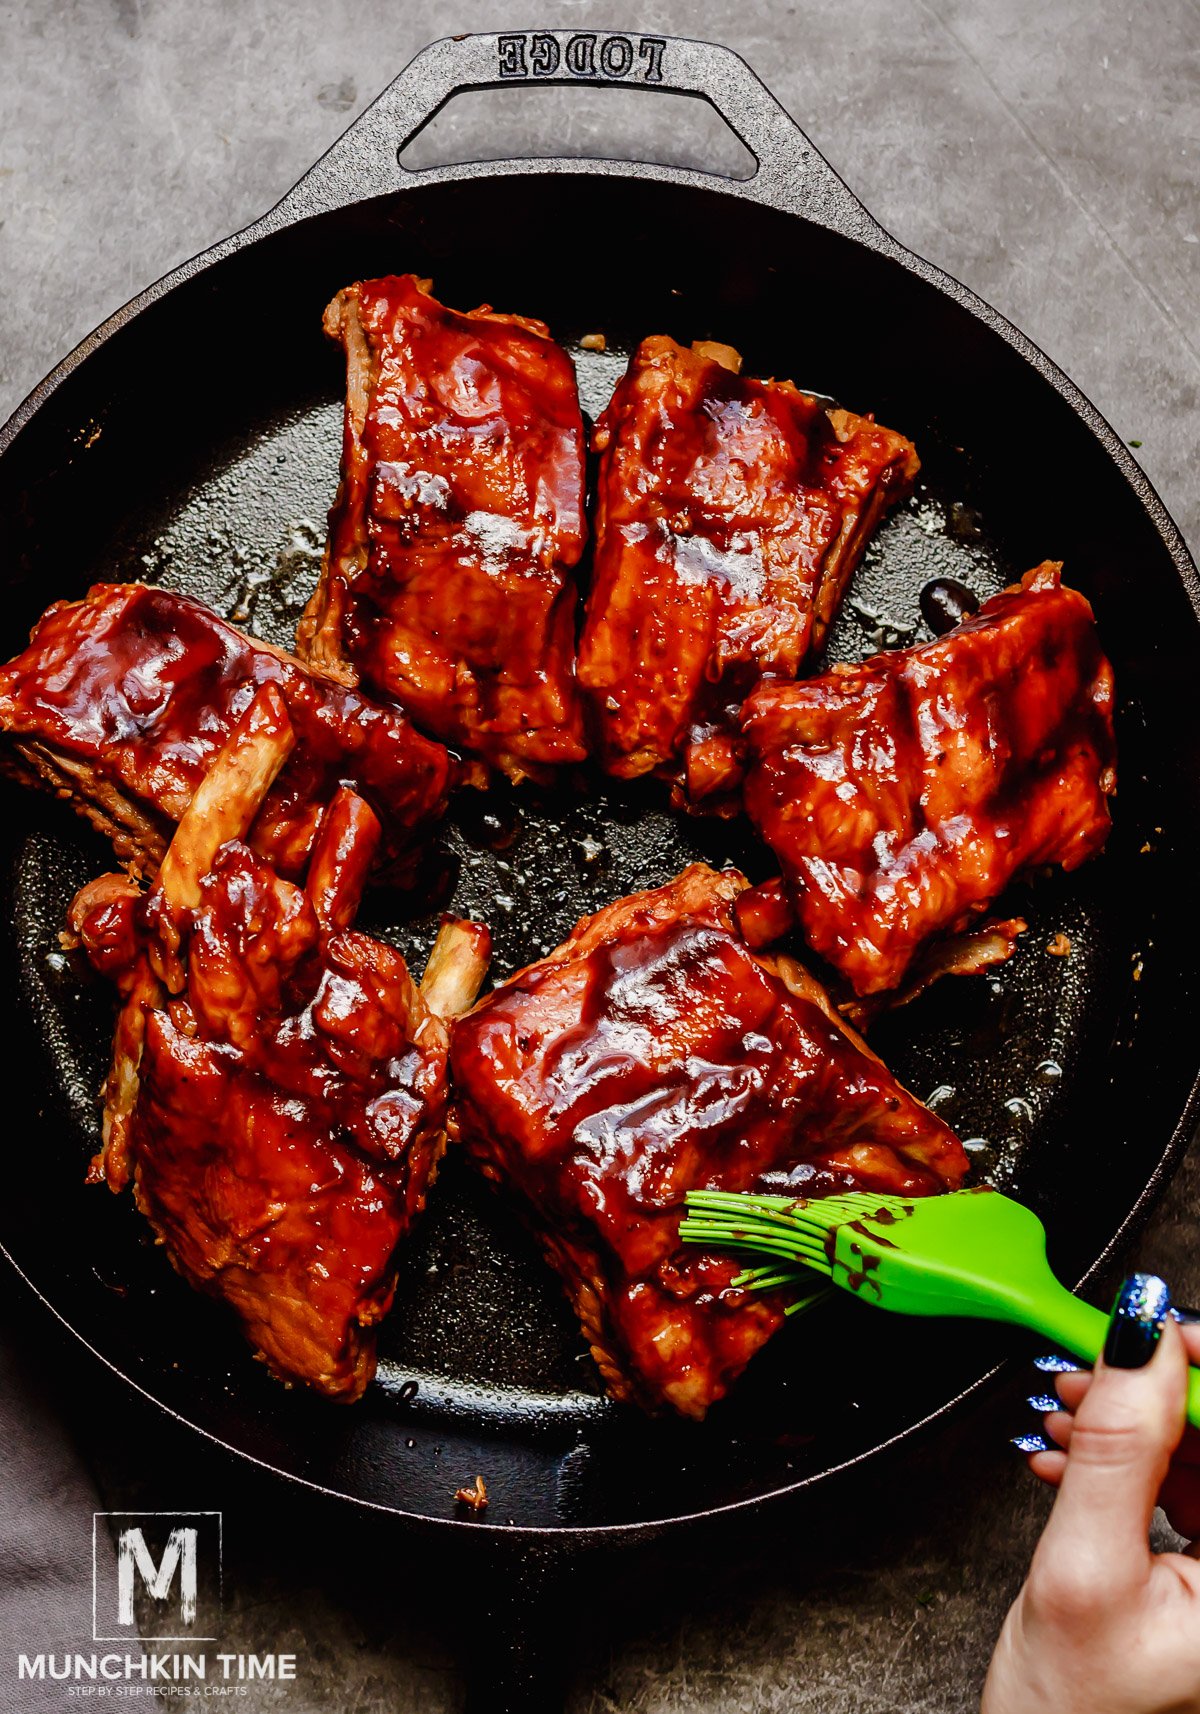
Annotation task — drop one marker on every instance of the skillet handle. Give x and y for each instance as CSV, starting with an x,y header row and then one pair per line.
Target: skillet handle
x,y
789,172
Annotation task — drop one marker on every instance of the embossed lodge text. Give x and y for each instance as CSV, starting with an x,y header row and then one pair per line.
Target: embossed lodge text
x,y
537,53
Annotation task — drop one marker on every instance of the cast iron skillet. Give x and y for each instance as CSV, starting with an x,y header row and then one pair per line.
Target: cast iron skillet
x,y
194,439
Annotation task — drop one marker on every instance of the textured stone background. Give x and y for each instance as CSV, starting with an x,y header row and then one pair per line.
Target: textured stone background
x,y
1044,151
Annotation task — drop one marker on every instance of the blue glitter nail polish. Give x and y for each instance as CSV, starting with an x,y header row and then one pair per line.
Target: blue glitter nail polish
x,y
1055,1365
1138,1317
1185,1316
1031,1443
1044,1403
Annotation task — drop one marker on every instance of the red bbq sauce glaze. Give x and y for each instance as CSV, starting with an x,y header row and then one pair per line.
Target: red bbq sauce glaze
x,y
459,520
653,1053
139,688
729,514
902,795
290,1098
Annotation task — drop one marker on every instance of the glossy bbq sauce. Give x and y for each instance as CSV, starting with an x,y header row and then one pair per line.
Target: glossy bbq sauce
x,y
668,1058
465,489
902,795
144,687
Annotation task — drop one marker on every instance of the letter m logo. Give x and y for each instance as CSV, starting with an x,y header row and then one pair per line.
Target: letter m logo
x,y
134,1557
156,1576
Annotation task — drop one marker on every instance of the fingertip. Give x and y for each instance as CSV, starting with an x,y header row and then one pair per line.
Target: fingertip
x,y
1055,1364
1057,1427
1048,1467
1177,1356
1153,1389
1140,1329
1072,1388
1172,1362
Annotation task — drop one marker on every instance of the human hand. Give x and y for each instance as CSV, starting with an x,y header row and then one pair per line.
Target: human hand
x,y
1179,1495
1102,1625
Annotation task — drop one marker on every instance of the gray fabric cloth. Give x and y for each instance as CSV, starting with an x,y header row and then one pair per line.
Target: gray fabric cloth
x,y
47,1498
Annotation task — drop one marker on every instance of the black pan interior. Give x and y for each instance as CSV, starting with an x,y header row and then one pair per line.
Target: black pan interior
x,y
198,446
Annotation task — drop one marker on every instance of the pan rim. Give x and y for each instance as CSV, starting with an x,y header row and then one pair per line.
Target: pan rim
x,y
290,212
644,1529
877,240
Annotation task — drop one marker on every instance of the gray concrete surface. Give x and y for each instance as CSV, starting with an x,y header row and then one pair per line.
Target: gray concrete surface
x,y
1044,151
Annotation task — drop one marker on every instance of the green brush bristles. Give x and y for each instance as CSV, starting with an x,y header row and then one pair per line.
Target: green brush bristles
x,y
793,1230
805,1288
790,1245
764,1225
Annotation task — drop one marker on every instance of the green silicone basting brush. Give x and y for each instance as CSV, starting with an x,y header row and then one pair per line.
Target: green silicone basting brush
x,y
971,1253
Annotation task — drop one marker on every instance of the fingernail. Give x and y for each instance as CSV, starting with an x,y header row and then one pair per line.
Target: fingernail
x,y
1185,1316
1054,1365
1044,1403
1138,1317
1031,1443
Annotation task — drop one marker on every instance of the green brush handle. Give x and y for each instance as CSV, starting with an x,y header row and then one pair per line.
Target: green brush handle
x,y
972,1253
1064,1319
1067,1321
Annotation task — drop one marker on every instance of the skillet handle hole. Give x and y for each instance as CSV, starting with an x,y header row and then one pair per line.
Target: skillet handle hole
x,y
530,124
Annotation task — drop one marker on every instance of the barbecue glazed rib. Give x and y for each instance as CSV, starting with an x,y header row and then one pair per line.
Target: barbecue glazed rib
x,y
278,1082
764,915
730,514
650,1054
122,701
447,579
902,795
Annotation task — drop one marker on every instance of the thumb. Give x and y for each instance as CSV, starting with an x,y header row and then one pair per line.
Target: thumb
x,y
1125,1431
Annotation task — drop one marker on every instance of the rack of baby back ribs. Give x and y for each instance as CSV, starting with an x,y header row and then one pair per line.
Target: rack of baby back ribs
x,y
281,1088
